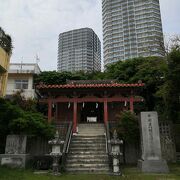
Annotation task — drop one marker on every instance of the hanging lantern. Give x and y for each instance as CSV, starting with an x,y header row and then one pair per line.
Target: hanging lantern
x,y
97,105
53,105
125,103
69,105
112,105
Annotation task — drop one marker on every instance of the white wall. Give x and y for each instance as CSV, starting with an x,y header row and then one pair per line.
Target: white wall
x,y
28,93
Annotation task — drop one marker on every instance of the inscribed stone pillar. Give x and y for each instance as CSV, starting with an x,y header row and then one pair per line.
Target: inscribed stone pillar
x,y
151,159
15,151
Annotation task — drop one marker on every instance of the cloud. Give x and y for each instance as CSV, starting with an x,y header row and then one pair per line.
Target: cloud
x,y
35,24
170,16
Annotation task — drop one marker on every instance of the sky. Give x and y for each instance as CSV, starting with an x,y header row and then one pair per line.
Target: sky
x,y
34,25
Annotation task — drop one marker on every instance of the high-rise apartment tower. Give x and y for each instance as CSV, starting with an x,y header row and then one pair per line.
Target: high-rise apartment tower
x,y
131,28
78,50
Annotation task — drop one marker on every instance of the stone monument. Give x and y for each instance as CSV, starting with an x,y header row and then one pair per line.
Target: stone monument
x,y
151,160
15,151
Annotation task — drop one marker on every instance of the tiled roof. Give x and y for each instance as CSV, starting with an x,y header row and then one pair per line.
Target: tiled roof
x,y
74,86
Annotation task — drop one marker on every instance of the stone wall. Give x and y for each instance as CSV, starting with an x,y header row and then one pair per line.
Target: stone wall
x,y
167,141
132,151
37,146
20,150
176,128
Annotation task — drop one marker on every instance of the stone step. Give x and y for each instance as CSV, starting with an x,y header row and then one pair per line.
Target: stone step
x,y
89,135
88,161
88,142
87,152
91,124
87,156
91,132
102,145
84,131
95,133
86,170
87,165
91,128
91,148
79,137
86,147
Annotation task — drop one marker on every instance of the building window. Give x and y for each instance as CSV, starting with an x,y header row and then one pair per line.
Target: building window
x,y
21,84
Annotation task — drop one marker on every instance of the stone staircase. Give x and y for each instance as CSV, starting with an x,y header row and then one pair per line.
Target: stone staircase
x,y
87,152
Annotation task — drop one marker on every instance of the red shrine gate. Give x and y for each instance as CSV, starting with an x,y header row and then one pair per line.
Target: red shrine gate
x,y
80,100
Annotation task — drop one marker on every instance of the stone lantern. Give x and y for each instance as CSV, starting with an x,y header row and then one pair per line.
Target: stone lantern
x,y
116,153
56,152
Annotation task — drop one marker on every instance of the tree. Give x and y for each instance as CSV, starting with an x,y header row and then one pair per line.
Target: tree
x,y
5,42
31,124
26,104
149,70
128,129
53,77
127,126
170,90
14,120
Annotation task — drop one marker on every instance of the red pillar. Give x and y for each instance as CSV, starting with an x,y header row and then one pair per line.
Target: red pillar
x,y
56,113
75,117
105,112
49,110
132,104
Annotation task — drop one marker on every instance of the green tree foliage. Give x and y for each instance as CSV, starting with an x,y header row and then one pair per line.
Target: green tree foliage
x,y
14,120
53,77
25,104
123,71
127,127
150,70
173,80
169,92
31,124
5,41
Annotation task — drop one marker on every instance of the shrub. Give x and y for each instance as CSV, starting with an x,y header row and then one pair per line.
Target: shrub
x,y
127,127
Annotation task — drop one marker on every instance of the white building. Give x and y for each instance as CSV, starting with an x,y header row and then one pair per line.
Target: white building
x,y
21,78
131,28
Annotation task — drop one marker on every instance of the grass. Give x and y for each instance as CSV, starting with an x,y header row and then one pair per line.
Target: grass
x,y
129,173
